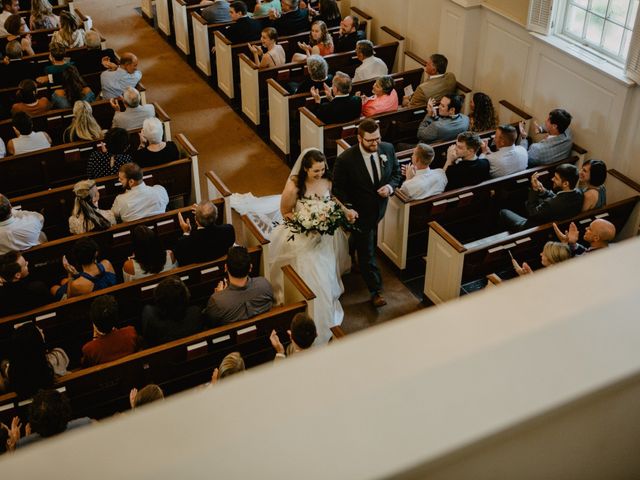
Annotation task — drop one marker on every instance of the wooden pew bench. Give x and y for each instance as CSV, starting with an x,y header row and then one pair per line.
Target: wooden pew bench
x,y
452,263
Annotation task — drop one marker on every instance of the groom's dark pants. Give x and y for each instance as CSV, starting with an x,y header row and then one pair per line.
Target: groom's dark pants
x,y
365,242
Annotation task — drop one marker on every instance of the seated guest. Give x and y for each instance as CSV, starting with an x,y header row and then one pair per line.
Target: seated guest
x,y
244,28
71,33
50,414
444,122
341,105
31,365
509,158
134,113
231,364
117,78
27,140
263,7
439,82
13,69
19,229
139,199
42,16
216,12
348,35
291,20
208,241
109,343
563,201
463,166
85,273
318,76
9,436
552,253
599,234
149,257
91,59
241,296
556,142
384,98
320,43
302,334
372,66
107,158
9,7
593,174
83,124
153,151
86,216
18,30
171,317
275,54
328,11
59,63
17,293
148,394
28,101
483,116
74,88
422,181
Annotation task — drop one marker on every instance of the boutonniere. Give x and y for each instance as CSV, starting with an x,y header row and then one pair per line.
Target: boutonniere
x,y
383,158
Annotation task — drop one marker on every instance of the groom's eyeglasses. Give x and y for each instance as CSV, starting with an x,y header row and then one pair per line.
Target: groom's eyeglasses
x,y
372,140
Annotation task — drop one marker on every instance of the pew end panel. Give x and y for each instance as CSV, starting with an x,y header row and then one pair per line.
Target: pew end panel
x,y
252,232
393,230
165,119
341,146
311,130
224,65
465,93
187,150
279,120
296,290
445,259
216,188
181,25
163,17
364,16
201,46
387,35
249,89
580,152
619,187
146,8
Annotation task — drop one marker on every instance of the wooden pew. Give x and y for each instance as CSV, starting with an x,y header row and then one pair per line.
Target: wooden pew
x,y
451,263
164,18
284,123
253,81
146,9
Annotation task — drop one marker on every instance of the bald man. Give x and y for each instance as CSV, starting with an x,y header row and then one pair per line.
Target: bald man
x,y
598,234
117,78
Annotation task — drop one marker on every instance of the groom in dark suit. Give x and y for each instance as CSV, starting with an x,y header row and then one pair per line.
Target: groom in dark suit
x,y
364,177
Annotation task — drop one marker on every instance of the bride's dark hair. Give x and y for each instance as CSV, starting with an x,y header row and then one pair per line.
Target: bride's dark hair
x,y
311,157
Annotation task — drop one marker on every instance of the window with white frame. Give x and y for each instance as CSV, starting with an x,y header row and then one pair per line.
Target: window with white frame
x,y
603,25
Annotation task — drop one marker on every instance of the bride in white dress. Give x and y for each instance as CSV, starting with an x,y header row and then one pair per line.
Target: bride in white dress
x,y
319,259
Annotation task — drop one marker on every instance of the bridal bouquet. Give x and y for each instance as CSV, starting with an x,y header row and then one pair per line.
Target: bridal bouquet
x,y
317,216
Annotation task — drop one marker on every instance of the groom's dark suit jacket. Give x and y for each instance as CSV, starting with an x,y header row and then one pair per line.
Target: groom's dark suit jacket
x,y
352,184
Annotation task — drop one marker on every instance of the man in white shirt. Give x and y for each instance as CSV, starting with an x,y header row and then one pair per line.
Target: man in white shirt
x,y
134,114
510,158
116,78
372,67
19,230
9,7
422,182
139,200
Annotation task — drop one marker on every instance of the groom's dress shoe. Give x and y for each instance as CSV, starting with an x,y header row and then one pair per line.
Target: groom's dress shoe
x,y
378,300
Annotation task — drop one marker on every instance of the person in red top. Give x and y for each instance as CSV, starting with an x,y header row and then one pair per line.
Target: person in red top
x,y
109,343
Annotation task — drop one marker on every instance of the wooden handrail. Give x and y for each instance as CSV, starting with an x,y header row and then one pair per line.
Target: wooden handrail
x,y
622,177
311,116
338,332
298,282
161,114
393,33
361,14
514,109
494,279
279,88
186,144
218,183
255,231
579,150
447,237
464,88
415,57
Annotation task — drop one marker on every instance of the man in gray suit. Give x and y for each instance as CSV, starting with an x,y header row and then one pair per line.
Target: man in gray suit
x,y
556,143
443,122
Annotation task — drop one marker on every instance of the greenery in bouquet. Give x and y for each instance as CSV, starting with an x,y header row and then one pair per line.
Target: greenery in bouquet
x,y
317,216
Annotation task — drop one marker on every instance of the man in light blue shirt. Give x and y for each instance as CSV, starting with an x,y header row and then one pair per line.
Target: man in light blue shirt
x,y
116,78
444,122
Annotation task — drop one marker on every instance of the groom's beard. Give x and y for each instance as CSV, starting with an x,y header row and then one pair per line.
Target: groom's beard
x,y
369,148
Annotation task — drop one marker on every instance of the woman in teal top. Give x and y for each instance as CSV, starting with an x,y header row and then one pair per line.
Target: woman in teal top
x,y
263,7
593,174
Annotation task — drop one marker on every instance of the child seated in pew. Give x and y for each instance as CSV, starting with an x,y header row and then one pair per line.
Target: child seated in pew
x,y
85,273
552,253
302,334
149,257
86,216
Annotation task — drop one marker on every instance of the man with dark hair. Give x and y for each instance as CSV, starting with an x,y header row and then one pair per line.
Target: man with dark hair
x,y
244,28
463,166
509,158
563,201
50,414
208,241
443,122
348,35
139,199
241,296
341,105
9,7
439,82
17,293
372,66
19,229
365,176
26,139
556,142
422,181
109,343
292,20
302,334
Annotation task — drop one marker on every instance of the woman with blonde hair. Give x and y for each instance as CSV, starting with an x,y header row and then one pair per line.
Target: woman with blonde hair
x,y
86,216
552,253
42,16
231,364
71,35
83,126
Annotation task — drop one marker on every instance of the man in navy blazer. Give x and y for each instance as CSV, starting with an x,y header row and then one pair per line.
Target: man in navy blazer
x,y
292,20
244,28
364,177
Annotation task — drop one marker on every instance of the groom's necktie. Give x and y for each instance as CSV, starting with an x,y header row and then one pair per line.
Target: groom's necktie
x,y
374,169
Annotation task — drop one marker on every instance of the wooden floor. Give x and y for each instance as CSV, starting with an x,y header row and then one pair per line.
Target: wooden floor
x,y
225,143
